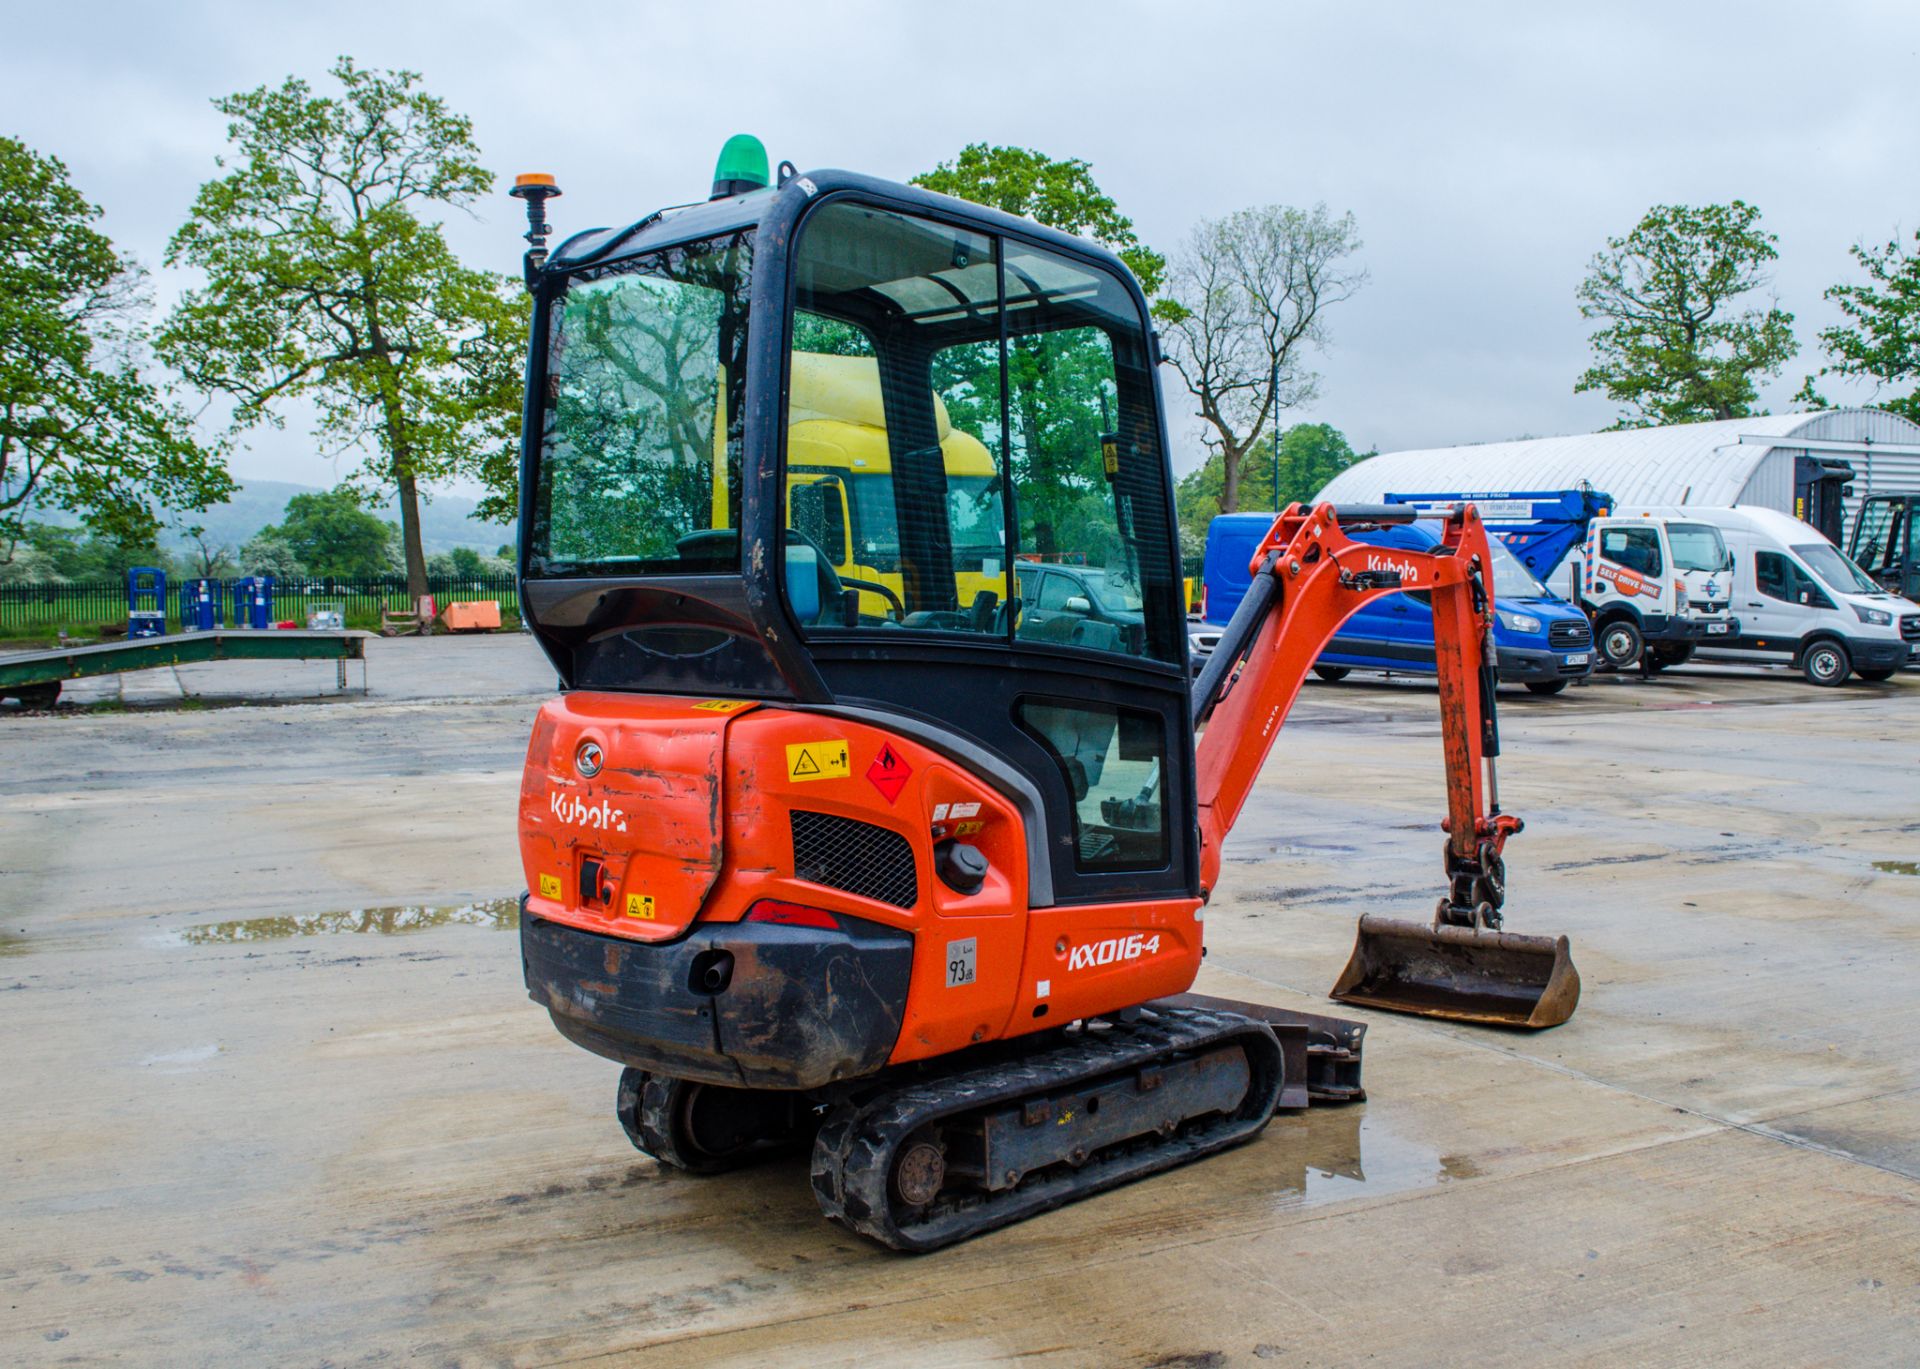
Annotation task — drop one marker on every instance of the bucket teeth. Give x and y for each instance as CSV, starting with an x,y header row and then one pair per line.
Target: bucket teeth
x,y
1463,974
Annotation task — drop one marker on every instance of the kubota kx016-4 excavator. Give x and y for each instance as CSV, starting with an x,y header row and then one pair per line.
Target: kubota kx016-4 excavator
x,y
872,816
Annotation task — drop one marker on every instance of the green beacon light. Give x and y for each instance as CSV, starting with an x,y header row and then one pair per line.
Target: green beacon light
x,y
742,167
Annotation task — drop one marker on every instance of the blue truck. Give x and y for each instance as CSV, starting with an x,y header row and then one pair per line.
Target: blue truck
x,y
1544,643
1654,586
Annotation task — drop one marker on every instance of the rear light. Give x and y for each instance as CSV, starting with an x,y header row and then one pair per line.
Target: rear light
x,y
792,915
1203,599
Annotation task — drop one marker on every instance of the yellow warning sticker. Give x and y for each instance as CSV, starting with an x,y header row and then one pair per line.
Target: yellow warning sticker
x,y
640,905
723,705
549,886
826,760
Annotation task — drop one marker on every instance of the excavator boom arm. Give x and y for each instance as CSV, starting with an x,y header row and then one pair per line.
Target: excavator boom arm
x,y
1309,577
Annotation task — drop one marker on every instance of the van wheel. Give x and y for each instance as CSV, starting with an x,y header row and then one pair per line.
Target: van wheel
x,y
1879,674
1545,686
1620,643
1826,663
1669,654
1330,673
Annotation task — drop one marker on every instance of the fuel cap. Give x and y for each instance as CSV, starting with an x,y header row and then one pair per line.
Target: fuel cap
x,y
961,867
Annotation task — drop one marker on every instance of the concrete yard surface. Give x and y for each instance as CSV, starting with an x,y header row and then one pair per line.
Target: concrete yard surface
x,y
275,1093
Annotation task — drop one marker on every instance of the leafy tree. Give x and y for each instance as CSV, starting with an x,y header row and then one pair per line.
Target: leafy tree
x,y
30,566
461,563
1058,194
324,281
1060,385
1677,347
1881,340
332,534
64,554
209,560
267,552
1311,454
80,428
1247,298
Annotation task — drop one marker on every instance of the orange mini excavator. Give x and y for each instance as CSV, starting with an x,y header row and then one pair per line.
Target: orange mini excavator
x,y
872,817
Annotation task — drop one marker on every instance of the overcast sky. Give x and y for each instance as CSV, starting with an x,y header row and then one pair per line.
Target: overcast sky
x,y
1487,150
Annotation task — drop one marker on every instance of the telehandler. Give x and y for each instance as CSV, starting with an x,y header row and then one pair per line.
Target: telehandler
x,y
888,863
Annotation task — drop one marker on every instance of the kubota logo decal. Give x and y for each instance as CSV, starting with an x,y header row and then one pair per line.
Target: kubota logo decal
x,y
1408,572
601,816
1113,950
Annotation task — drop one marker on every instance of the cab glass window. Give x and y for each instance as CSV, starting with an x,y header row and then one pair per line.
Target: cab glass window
x,y
981,402
1826,562
640,437
1638,549
893,396
1877,543
1780,577
1697,546
1083,450
1112,761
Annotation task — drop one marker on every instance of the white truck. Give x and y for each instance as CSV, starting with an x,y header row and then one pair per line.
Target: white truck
x,y
1798,599
1655,586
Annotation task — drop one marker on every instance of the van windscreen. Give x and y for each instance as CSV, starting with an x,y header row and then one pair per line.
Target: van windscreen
x,y
1697,546
1826,562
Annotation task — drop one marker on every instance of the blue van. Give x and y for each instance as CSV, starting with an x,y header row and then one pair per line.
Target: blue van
x,y
1544,642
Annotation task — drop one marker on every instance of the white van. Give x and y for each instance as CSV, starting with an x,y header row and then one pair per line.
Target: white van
x,y
1796,596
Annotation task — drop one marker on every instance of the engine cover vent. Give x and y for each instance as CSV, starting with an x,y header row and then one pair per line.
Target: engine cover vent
x,y
855,857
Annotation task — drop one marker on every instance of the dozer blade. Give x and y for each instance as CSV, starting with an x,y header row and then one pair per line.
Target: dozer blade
x,y
1460,973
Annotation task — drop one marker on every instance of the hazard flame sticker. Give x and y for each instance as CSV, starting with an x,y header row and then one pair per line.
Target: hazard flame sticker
x,y
889,772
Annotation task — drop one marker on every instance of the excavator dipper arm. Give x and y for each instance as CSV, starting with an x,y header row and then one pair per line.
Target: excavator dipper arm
x,y
1309,576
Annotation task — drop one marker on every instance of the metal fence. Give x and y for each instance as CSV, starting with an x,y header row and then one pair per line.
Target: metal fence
x,y
30,609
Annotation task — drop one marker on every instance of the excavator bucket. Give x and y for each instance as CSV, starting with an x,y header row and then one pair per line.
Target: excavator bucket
x,y
1460,973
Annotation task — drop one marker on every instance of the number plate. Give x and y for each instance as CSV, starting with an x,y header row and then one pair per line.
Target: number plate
x,y
960,958
1716,627
1579,658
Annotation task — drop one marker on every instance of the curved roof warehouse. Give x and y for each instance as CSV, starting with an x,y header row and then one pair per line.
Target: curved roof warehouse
x,y
1754,461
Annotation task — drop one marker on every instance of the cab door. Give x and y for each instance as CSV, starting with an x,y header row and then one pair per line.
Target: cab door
x,y
1786,604
1631,566
1037,360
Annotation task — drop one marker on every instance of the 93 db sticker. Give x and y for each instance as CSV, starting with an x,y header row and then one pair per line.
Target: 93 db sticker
x,y
960,961
822,760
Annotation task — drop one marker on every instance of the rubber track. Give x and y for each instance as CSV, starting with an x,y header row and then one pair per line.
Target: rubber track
x,y
854,1152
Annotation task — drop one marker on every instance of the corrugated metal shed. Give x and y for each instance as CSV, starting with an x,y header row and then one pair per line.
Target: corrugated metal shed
x,y
1735,461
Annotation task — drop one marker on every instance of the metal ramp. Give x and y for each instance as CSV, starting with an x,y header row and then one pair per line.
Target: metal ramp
x,y
35,677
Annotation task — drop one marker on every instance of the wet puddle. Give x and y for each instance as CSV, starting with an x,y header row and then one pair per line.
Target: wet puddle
x,y
1897,867
499,914
1330,1154
12,945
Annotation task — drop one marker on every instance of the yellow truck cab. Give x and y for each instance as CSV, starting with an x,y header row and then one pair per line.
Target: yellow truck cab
x,y
840,487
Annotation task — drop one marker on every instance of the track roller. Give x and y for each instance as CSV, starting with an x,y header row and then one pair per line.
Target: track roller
x,y
947,1157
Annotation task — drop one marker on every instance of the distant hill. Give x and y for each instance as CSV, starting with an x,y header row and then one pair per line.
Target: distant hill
x,y
444,522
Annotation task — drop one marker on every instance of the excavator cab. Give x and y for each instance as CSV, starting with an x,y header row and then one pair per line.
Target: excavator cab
x,y
872,815
792,446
